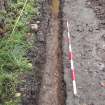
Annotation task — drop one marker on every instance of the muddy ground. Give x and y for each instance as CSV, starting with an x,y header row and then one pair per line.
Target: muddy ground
x,y
87,28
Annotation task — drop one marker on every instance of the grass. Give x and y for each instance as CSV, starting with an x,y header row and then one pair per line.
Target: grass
x,y
13,48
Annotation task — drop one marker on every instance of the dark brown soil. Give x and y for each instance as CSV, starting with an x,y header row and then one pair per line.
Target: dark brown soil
x,y
52,92
45,85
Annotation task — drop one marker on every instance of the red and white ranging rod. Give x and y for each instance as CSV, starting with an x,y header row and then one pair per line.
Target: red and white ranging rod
x,y
71,62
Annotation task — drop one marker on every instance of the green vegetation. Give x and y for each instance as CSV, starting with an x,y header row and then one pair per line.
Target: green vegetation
x,y
13,48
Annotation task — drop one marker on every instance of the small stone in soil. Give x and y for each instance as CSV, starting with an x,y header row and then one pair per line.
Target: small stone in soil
x,y
102,84
34,27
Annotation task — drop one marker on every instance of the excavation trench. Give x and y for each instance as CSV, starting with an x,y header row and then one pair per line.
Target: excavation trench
x,y
51,92
46,85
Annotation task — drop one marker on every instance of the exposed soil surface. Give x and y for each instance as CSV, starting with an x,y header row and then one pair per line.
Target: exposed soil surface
x,y
51,92
45,86
87,28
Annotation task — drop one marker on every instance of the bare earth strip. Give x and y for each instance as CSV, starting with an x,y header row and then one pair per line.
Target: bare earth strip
x,y
51,92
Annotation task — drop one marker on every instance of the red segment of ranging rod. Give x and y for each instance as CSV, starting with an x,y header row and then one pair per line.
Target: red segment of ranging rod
x,y
72,63
73,75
